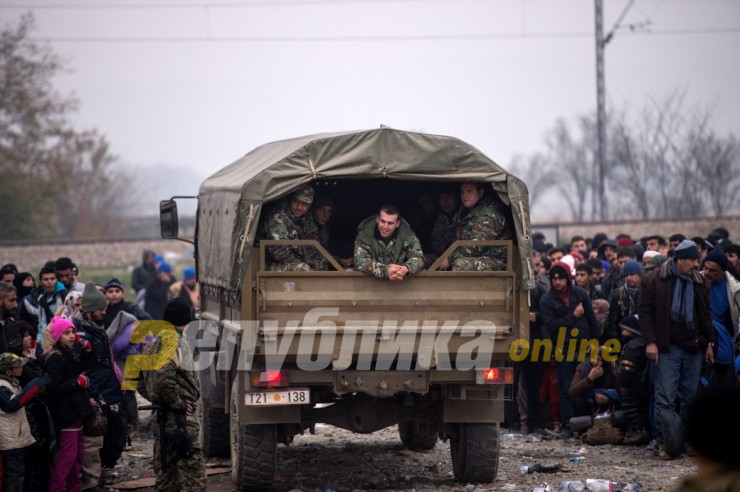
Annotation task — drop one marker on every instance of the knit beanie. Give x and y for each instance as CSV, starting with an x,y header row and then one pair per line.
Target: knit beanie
x,y
113,283
188,273
560,270
719,257
631,267
178,312
631,324
686,250
58,326
164,268
92,298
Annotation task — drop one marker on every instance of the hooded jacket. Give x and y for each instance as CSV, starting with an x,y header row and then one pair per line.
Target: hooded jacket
x,y
556,314
654,306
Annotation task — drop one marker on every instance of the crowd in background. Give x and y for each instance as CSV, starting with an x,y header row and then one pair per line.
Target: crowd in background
x,y
64,418
672,303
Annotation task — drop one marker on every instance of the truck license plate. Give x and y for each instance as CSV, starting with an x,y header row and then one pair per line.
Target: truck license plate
x,y
288,397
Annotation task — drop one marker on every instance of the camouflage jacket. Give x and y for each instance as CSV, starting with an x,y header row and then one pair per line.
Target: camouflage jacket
x,y
444,233
175,382
373,255
281,224
485,221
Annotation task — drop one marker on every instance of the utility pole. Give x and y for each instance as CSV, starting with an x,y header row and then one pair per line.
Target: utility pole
x,y
600,109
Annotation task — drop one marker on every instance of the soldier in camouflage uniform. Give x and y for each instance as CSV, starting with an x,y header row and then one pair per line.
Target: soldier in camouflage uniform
x,y
177,388
321,212
444,231
386,247
478,219
290,220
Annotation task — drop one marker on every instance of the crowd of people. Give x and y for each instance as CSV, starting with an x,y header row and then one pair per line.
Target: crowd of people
x,y
64,417
673,306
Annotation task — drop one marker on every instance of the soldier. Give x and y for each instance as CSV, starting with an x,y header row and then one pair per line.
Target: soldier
x,y
175,388
478,219
291,221
386,247
444,231
321,212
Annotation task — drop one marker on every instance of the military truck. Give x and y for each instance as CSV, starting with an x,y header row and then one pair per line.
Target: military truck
x,y
287,350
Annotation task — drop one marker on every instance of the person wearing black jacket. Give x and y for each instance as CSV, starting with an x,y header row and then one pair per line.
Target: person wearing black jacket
x,y
566,309
104,384
114,294
11,339
158,291
68,401
143,273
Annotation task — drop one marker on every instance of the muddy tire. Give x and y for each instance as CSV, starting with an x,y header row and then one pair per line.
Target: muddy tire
x,y
419,438
475,453
253,452
215,426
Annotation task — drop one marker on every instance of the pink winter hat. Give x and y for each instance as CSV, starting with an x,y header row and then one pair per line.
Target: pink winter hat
x,y
58,326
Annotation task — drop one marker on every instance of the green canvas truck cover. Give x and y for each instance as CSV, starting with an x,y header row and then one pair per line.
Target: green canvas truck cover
x,y
231,200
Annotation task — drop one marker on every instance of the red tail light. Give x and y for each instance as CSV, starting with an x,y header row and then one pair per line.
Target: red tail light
x,y
495,375
269,379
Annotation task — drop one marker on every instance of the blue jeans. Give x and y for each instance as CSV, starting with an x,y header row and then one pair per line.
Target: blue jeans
x,y
565,371
676,375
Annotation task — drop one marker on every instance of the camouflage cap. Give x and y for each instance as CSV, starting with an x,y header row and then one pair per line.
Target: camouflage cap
x,y
305,195
9,361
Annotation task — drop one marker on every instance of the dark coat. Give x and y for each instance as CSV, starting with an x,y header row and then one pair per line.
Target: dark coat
x,y
157,295
654,306
555,315
113,309
581,384
142,275
621,305
11,338
68,402
104,384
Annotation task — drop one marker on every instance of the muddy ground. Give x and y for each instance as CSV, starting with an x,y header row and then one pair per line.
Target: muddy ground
x,y
339,460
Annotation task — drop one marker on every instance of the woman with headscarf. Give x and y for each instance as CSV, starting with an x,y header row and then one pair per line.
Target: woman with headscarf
x,y
72,305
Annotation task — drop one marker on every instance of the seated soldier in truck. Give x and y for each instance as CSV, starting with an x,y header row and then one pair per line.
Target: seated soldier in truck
x,y
479,218
386,247
290,220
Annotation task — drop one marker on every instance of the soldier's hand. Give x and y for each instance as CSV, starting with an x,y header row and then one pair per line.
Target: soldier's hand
x,y
189,407
445,265
578,311
345,262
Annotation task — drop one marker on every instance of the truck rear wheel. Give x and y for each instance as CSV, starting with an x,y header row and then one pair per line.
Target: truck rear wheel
x,y
475,453
253,451
215,427
417,438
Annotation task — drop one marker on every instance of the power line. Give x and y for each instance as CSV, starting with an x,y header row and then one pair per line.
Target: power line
x,y
173,6
360,39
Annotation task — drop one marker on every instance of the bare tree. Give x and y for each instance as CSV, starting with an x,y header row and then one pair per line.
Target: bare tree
x,y
59,178
536,172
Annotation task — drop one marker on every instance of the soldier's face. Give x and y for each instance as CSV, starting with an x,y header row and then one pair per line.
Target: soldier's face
x,y
322,214
298,208
470,195
448,202
387,224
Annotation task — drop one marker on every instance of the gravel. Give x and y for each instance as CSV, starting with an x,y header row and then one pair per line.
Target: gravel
x,y
339,460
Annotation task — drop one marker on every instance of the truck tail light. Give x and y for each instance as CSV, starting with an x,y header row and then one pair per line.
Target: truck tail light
x,y
495,375
269,379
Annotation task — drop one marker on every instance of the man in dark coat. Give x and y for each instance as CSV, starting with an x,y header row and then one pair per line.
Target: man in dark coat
x,y
104,384
566,314
158,291
143,273
677,327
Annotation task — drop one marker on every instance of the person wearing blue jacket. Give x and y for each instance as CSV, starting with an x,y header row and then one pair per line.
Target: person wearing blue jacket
x,y
566,308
